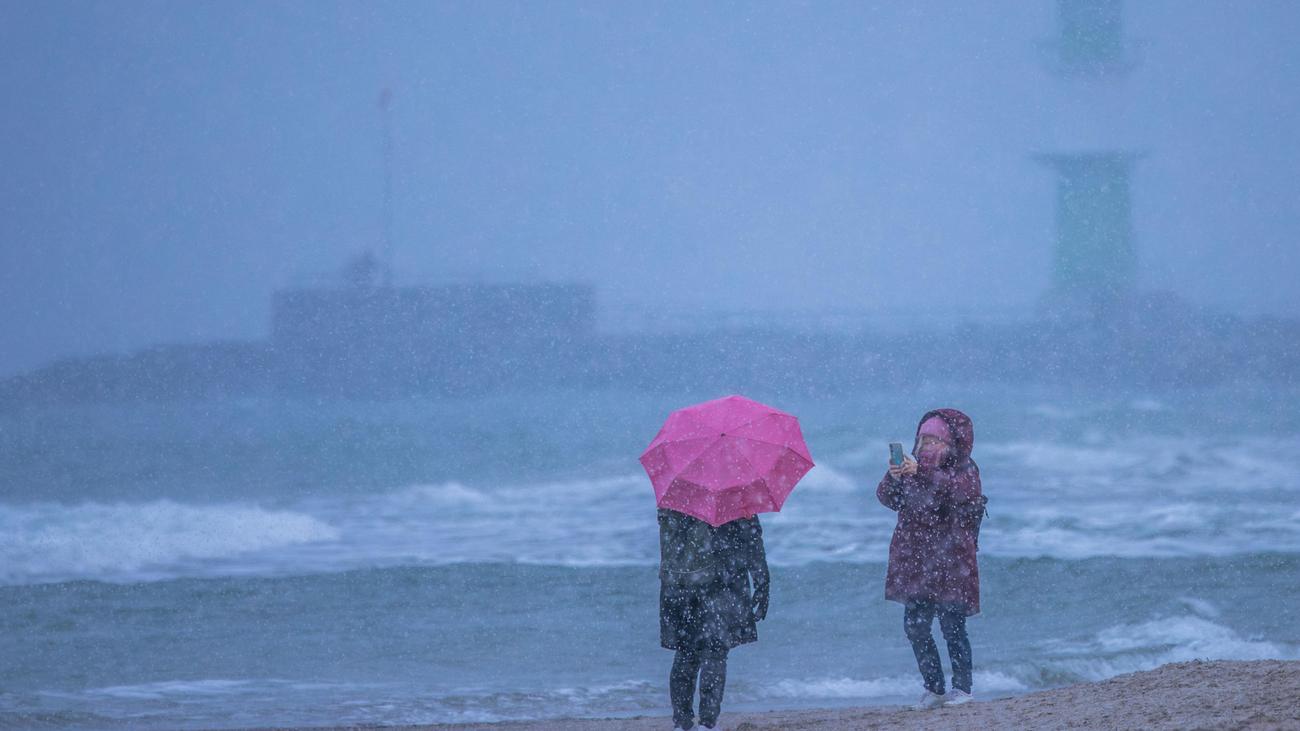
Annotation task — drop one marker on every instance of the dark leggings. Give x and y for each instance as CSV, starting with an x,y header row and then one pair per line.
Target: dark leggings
x,y
710,665
917,618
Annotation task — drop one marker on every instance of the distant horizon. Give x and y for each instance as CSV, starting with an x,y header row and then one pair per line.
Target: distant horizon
x,y
170,166
634,319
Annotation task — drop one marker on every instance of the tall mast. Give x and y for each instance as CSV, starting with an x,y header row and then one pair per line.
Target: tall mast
x,y
386,121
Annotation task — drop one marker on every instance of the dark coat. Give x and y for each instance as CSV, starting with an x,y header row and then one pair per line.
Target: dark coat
x,y
717,612
933,551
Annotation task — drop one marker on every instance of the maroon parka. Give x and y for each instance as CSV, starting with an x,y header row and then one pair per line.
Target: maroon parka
x,y
933,552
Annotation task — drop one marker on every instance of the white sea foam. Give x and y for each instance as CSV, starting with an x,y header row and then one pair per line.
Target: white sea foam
x,y
1127,648
843,688
1057,412
824,477
1111,651
1185,638
1047,500
1115,650
49,541
1201,607
890,687
1151,497
398,705
172,689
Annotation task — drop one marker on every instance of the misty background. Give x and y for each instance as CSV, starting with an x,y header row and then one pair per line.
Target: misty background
x,y
343,503
164,167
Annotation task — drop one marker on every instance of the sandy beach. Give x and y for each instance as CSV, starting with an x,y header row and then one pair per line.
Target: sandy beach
x,y
1189,696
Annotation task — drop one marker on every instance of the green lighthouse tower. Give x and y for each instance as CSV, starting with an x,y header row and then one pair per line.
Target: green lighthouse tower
x,y
1094,260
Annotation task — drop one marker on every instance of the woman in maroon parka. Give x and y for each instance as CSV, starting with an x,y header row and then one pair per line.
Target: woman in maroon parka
x,y
932,558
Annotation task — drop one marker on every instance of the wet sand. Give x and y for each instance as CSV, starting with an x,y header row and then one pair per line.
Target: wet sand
x,y
1188,696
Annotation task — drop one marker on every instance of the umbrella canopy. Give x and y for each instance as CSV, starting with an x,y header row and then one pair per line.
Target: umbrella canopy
x,y
726,459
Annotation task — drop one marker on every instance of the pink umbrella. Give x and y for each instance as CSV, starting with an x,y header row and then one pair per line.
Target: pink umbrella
x,y
726,459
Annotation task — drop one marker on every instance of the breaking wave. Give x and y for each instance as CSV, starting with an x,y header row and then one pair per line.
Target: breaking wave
x,y
1158,497
124,541
1134,647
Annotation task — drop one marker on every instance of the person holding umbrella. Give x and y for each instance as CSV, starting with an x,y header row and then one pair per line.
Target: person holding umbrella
x,y
714,467
705,605
933,569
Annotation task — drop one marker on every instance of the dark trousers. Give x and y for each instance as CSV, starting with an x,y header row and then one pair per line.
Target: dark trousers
x,y
709,665
917,619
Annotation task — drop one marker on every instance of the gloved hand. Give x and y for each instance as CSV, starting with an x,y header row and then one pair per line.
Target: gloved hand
x,y
758,606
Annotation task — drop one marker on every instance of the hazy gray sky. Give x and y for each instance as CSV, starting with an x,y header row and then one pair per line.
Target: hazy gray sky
x,y
165,166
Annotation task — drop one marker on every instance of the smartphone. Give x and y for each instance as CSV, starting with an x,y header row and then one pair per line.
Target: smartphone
x,y
895,453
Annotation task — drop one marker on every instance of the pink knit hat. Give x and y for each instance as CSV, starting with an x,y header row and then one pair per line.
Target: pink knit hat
x,y
936,427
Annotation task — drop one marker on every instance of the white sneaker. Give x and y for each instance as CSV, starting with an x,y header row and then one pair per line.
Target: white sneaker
x,y
957,697
929,701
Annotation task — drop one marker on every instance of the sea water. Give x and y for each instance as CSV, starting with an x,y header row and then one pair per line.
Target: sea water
x,y
290,562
